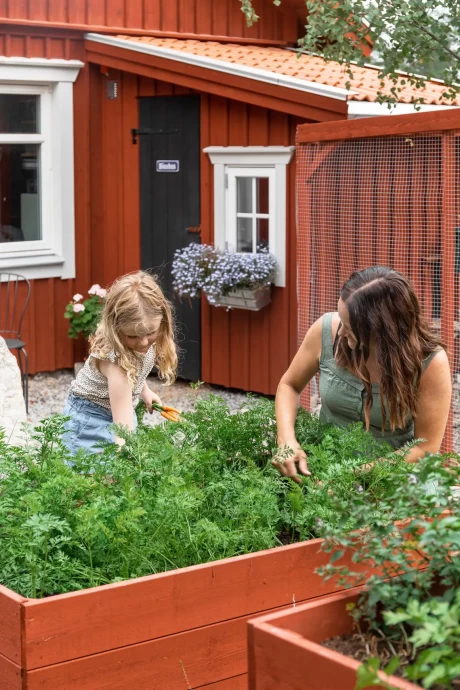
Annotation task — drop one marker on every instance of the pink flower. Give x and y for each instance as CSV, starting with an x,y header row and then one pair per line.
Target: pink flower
x,y
101,293
77,297
78,307
94,289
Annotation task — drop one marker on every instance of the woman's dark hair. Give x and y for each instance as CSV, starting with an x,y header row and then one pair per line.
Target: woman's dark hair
x,y
384,308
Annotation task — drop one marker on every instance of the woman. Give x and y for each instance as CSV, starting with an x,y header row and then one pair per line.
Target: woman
x,y
378,362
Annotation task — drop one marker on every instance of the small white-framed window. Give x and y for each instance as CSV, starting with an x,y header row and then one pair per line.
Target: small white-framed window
x,y
36,167
250,200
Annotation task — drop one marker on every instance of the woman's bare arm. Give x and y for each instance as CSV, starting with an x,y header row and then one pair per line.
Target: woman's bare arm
x,y
433,406
303,368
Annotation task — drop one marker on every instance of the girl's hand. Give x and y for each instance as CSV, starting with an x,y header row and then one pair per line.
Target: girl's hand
x,y
149,397
286,459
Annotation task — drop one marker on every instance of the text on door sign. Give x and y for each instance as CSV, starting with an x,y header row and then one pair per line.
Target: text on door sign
x,y
168,166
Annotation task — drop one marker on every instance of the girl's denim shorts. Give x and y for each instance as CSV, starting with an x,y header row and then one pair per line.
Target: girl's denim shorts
x,y
88,425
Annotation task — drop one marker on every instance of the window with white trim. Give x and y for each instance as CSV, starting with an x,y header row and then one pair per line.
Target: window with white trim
x,y
250,200
36,167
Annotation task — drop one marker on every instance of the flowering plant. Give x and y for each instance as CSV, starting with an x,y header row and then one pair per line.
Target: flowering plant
x,y
201,268
84,315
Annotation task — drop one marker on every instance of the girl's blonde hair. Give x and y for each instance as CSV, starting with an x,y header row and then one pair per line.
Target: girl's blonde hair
x,y
130,302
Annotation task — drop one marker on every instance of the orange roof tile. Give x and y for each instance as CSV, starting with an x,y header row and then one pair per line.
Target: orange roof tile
x,y
364,85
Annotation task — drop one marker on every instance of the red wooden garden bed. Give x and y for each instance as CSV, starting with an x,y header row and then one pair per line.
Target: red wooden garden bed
x,y
285,650
181,629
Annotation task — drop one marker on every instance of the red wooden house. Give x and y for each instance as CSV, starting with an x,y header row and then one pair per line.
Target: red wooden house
x,y
95,95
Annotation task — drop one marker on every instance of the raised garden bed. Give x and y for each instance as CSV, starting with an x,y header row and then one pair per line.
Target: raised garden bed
x,y
401,616
199,491
181,629
285,649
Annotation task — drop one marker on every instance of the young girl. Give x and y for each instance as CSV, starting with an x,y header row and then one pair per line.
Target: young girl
x,y
134,334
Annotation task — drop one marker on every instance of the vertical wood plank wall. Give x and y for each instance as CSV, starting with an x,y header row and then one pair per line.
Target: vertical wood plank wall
x,y
44,328
219,18
240,349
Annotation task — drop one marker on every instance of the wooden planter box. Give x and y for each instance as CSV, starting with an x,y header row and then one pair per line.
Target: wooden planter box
x,y
178,630
253,300
285,651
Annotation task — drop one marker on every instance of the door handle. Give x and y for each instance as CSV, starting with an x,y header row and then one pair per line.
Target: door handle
x,y
196,230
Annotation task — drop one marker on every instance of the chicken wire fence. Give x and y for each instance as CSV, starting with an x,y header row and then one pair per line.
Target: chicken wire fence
x,y
383,200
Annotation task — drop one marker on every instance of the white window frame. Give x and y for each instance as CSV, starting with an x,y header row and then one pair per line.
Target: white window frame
x,y
232,210
231,162
52,80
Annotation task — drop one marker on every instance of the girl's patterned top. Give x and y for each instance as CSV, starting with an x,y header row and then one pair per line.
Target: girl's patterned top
x,y
90,384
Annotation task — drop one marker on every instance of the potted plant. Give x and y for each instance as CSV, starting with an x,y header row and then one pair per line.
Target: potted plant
x,y
140,567
402,615
231,280
84,314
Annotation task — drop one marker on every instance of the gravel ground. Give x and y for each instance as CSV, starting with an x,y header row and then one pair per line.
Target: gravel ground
x,y
48,392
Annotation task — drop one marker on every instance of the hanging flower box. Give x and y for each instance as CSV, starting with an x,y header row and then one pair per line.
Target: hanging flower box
x,y
231,280
253,300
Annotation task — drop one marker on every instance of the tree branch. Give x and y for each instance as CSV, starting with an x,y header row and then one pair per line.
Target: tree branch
x,y
435,38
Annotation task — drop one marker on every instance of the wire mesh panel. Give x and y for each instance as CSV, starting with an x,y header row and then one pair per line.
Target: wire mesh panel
x,y
382,200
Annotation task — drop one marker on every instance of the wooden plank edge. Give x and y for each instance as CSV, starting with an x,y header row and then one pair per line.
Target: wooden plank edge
x,y
173,658
234,683
130,31
10,624
414,123
135,611
10,674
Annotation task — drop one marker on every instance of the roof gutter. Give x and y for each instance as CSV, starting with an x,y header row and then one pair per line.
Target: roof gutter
x,y
234,69
358,109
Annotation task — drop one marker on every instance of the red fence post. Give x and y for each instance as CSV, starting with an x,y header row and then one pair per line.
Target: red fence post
x,y
448,261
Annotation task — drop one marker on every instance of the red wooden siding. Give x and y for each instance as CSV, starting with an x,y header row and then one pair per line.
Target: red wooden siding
x,y
202,17
44,328
240,349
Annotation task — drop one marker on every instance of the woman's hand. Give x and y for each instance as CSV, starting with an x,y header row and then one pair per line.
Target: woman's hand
x,y
149,397
286,460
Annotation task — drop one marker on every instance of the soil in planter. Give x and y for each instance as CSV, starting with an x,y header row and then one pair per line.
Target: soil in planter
x,y
286,537
364,645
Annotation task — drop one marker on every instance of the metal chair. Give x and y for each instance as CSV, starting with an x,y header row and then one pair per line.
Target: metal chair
x,y
13,304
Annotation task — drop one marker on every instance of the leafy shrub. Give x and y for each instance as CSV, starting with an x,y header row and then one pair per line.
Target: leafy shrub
x,y
84,315
175,495
416,570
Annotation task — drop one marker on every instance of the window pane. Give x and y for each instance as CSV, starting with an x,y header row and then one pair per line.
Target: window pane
x,y
19,192
262,194
244,235
244,194
262,233
19,114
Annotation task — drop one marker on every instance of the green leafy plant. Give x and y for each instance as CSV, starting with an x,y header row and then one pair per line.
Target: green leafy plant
x,y
175,495
409,538
84,314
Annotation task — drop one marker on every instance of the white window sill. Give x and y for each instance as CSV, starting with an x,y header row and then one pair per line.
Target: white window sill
x,y
35,267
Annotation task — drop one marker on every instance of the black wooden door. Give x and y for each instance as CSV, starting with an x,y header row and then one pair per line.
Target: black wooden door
x,y
169,137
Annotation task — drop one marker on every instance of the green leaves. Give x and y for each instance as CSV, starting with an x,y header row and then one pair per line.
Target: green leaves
x,y
406,548
415,36
83,316
368,674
